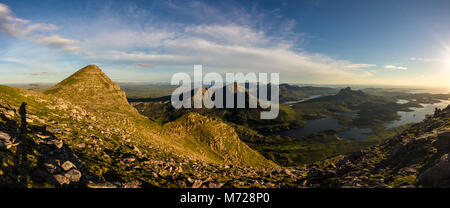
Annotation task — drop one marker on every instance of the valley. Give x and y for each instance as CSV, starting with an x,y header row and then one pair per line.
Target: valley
x,y
316,123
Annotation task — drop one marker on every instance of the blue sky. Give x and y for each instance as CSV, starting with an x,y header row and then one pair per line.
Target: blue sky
x,y
311,41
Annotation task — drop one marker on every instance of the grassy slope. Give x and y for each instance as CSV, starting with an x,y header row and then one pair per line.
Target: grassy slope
x,y
84,88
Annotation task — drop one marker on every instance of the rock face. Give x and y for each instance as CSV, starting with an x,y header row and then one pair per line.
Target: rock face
x,y
438,175
443,142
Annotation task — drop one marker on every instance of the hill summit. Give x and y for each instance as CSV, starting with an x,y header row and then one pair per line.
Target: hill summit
x,y
89,86
348,92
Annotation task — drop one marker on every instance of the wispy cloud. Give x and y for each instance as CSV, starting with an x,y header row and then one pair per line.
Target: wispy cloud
x,y
224,42
144,65
395,67
17,27
429,60
359,66
60,43
222,47
38,73
38,32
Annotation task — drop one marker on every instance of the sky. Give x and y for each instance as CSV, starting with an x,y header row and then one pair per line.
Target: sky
x,y
311,41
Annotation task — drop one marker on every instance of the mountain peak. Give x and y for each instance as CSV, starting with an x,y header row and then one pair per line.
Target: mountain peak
x,y
349,92
91,68
347,89
91,87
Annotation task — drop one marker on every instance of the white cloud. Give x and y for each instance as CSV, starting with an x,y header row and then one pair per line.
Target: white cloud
x,y
20,28
219,47
359,66
429,60
230,34
16,27
60,43
395,67
144,65
230,43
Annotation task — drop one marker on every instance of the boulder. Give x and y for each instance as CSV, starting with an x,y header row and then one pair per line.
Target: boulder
x,y
56,143
73,175
438,175
61,180
67,165
5,141
443,142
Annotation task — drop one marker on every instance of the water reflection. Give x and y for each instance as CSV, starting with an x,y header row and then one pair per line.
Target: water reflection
x,y
303,100
417,114
323,124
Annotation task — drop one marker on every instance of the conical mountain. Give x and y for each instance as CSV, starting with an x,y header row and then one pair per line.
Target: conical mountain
x,y
90,87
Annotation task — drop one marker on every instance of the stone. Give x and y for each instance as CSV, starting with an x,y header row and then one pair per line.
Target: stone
x,y
4,136
132,184
438,175
10,113
5,140
100,185
73,175
61,180
179,169
81,145
443,142
215,185
67,165
136,149
407,171
155,175
129,159
57,143
197,184
43,136
51,168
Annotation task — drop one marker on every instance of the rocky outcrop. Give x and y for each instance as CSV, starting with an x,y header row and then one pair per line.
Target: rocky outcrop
x,y
438,175
442,143
5,141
